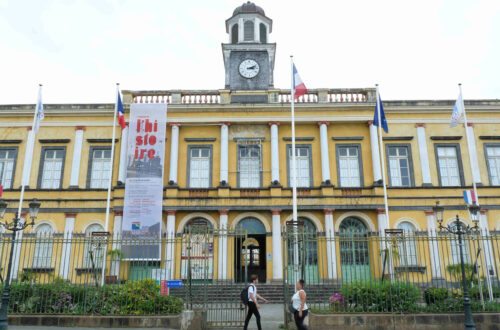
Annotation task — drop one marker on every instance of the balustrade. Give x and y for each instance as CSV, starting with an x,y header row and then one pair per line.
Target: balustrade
x,y
282,96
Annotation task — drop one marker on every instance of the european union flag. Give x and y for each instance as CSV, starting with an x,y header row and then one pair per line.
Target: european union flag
x,y
382,116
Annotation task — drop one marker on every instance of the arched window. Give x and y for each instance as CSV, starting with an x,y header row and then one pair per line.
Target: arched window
x,y
93,254
263,33
310,237
42,254
248,31
197,225
234,34
354,250
253,226
407,247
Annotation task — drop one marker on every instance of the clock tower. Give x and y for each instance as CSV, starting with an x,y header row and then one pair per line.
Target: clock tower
x,y
249,57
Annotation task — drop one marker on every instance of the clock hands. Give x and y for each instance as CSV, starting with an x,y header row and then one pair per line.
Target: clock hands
x,y
251,67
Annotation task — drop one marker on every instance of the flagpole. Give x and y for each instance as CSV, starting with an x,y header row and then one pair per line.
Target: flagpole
x,y
294,180
484,230
29,150
110,181
468,146
382,159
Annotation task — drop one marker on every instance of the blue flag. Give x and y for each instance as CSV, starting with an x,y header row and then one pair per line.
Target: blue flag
x,y
382,116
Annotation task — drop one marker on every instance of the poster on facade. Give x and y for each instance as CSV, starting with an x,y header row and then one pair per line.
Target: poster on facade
x,y
198,257
142,211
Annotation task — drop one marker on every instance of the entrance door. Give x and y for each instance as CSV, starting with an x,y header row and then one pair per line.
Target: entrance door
x,y
251,252
354,250
142,269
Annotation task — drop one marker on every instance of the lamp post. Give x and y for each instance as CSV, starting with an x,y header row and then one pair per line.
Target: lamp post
x,y
14,226
459,229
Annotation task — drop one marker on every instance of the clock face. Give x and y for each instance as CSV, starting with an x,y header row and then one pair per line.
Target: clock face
x,y
249,68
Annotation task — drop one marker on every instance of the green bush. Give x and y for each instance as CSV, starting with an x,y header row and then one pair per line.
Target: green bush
x,y
474,292
133,298
378,296
435,295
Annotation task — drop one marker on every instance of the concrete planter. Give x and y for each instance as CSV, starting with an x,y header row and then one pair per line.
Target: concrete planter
x,y
186,320
401,321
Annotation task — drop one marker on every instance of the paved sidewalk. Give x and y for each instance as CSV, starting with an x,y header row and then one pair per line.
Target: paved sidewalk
x,y
75,328
271,318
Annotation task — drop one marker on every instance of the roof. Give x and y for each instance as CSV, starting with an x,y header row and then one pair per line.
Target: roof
x,y
248,7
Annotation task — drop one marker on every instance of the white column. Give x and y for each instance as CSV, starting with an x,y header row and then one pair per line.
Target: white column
x,y
377,173
471,143
277,251
433,246
256,37
117,236
30,144
424,156
77,156
16,256
224,151
240,30
65,262
331,249
485,236
222,255
174,153
275,160
122,169
325,159
170,245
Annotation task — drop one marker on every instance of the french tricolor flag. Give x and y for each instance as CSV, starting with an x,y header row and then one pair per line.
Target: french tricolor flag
x,y
469,196
121,112
298,85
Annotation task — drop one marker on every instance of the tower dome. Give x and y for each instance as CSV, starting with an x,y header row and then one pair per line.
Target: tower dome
x,y
248,8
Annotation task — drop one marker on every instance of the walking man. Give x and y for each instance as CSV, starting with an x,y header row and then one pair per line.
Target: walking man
x,y
253,305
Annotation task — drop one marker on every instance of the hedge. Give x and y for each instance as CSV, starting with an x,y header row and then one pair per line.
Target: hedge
x,y
132,298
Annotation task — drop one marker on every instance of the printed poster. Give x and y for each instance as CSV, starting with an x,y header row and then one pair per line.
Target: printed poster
x,y
142,212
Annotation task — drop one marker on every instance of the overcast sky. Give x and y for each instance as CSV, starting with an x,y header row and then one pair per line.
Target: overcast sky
x,y
412,49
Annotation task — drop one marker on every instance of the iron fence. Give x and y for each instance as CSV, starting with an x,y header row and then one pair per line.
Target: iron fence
x,y
397,271
346,271
108,274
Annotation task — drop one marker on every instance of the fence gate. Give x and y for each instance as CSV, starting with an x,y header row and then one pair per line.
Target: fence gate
x,y
208,270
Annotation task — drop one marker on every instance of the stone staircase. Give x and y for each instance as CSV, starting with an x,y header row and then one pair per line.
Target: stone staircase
x,y
221,293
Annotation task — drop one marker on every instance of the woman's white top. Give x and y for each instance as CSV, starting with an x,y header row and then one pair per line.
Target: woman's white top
x,y
296,302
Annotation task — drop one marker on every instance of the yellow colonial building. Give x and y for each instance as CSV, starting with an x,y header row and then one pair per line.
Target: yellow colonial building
x,y
228,156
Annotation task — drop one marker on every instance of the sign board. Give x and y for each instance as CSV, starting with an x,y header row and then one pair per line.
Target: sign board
x,y
163,288
394,231
142,212
174,284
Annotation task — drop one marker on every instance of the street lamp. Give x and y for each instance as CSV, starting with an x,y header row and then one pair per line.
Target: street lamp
x,y
459,229
14,226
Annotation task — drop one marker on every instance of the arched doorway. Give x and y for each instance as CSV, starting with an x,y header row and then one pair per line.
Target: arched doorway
x,y
197,256
354,250
251,253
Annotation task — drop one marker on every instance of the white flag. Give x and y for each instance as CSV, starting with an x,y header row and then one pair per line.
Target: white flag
x,y
458,110
39,113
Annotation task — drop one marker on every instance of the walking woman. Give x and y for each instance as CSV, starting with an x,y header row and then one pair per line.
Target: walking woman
x,y
300,306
